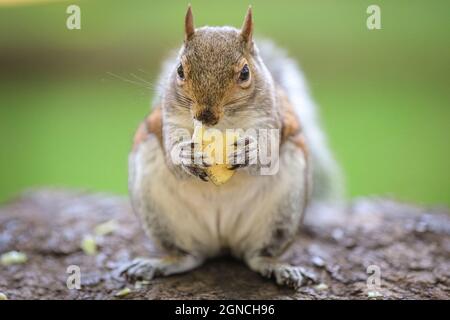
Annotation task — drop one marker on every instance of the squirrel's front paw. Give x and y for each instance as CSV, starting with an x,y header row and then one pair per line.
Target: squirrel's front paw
x,y
245,152
193,161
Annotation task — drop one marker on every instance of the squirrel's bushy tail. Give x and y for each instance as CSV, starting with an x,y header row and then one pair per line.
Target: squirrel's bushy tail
x,y
327,176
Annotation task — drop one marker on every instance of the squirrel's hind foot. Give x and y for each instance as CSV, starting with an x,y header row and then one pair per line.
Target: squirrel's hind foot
x,y
283,273
148,268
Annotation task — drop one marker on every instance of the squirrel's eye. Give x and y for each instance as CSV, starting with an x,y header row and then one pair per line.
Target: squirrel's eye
x,y
180,72
245,74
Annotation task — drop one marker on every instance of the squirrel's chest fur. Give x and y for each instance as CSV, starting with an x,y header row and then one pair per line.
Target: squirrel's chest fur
x,y
197,216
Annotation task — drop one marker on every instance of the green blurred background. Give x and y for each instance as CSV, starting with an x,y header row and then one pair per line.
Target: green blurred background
x,y
66,120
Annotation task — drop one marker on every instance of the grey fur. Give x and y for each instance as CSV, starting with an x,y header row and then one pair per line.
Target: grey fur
x,y
200,219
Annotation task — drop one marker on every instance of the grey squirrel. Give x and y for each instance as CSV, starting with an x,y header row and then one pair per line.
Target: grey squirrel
x,y
221,79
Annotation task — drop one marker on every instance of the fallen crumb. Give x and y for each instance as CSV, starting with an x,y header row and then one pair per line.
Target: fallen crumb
x,y
374,294
13,257
106,228
89,245
123,292
318,261
139,284
321,287
3,296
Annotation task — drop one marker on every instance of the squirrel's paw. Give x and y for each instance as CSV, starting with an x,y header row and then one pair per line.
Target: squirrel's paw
x,y
139,269
291,276
148,268
245,152
193,161
283,273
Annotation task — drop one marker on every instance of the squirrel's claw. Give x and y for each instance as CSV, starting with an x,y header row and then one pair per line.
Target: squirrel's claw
x,y
195,171
148,268
245,153
193,161
283,273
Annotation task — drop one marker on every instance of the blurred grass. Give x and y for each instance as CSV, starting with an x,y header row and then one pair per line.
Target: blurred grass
x,y
383,94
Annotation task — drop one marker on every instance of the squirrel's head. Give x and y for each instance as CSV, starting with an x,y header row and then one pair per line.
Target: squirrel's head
x,y
216,69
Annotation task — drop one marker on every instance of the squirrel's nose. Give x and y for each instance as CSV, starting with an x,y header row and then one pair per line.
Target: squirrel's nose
x,y
207,117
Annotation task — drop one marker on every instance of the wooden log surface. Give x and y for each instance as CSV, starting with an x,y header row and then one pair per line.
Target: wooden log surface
x,y
410,246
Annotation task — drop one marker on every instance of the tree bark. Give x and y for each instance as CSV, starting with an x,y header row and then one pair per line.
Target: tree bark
x,y
407,244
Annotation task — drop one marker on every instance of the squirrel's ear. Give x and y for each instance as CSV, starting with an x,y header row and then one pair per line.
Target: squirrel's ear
x,y
247,27
189,28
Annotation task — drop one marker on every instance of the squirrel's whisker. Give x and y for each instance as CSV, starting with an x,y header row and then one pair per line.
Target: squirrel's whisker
x,y
175,102
144,72
128,80
141,79
234,102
